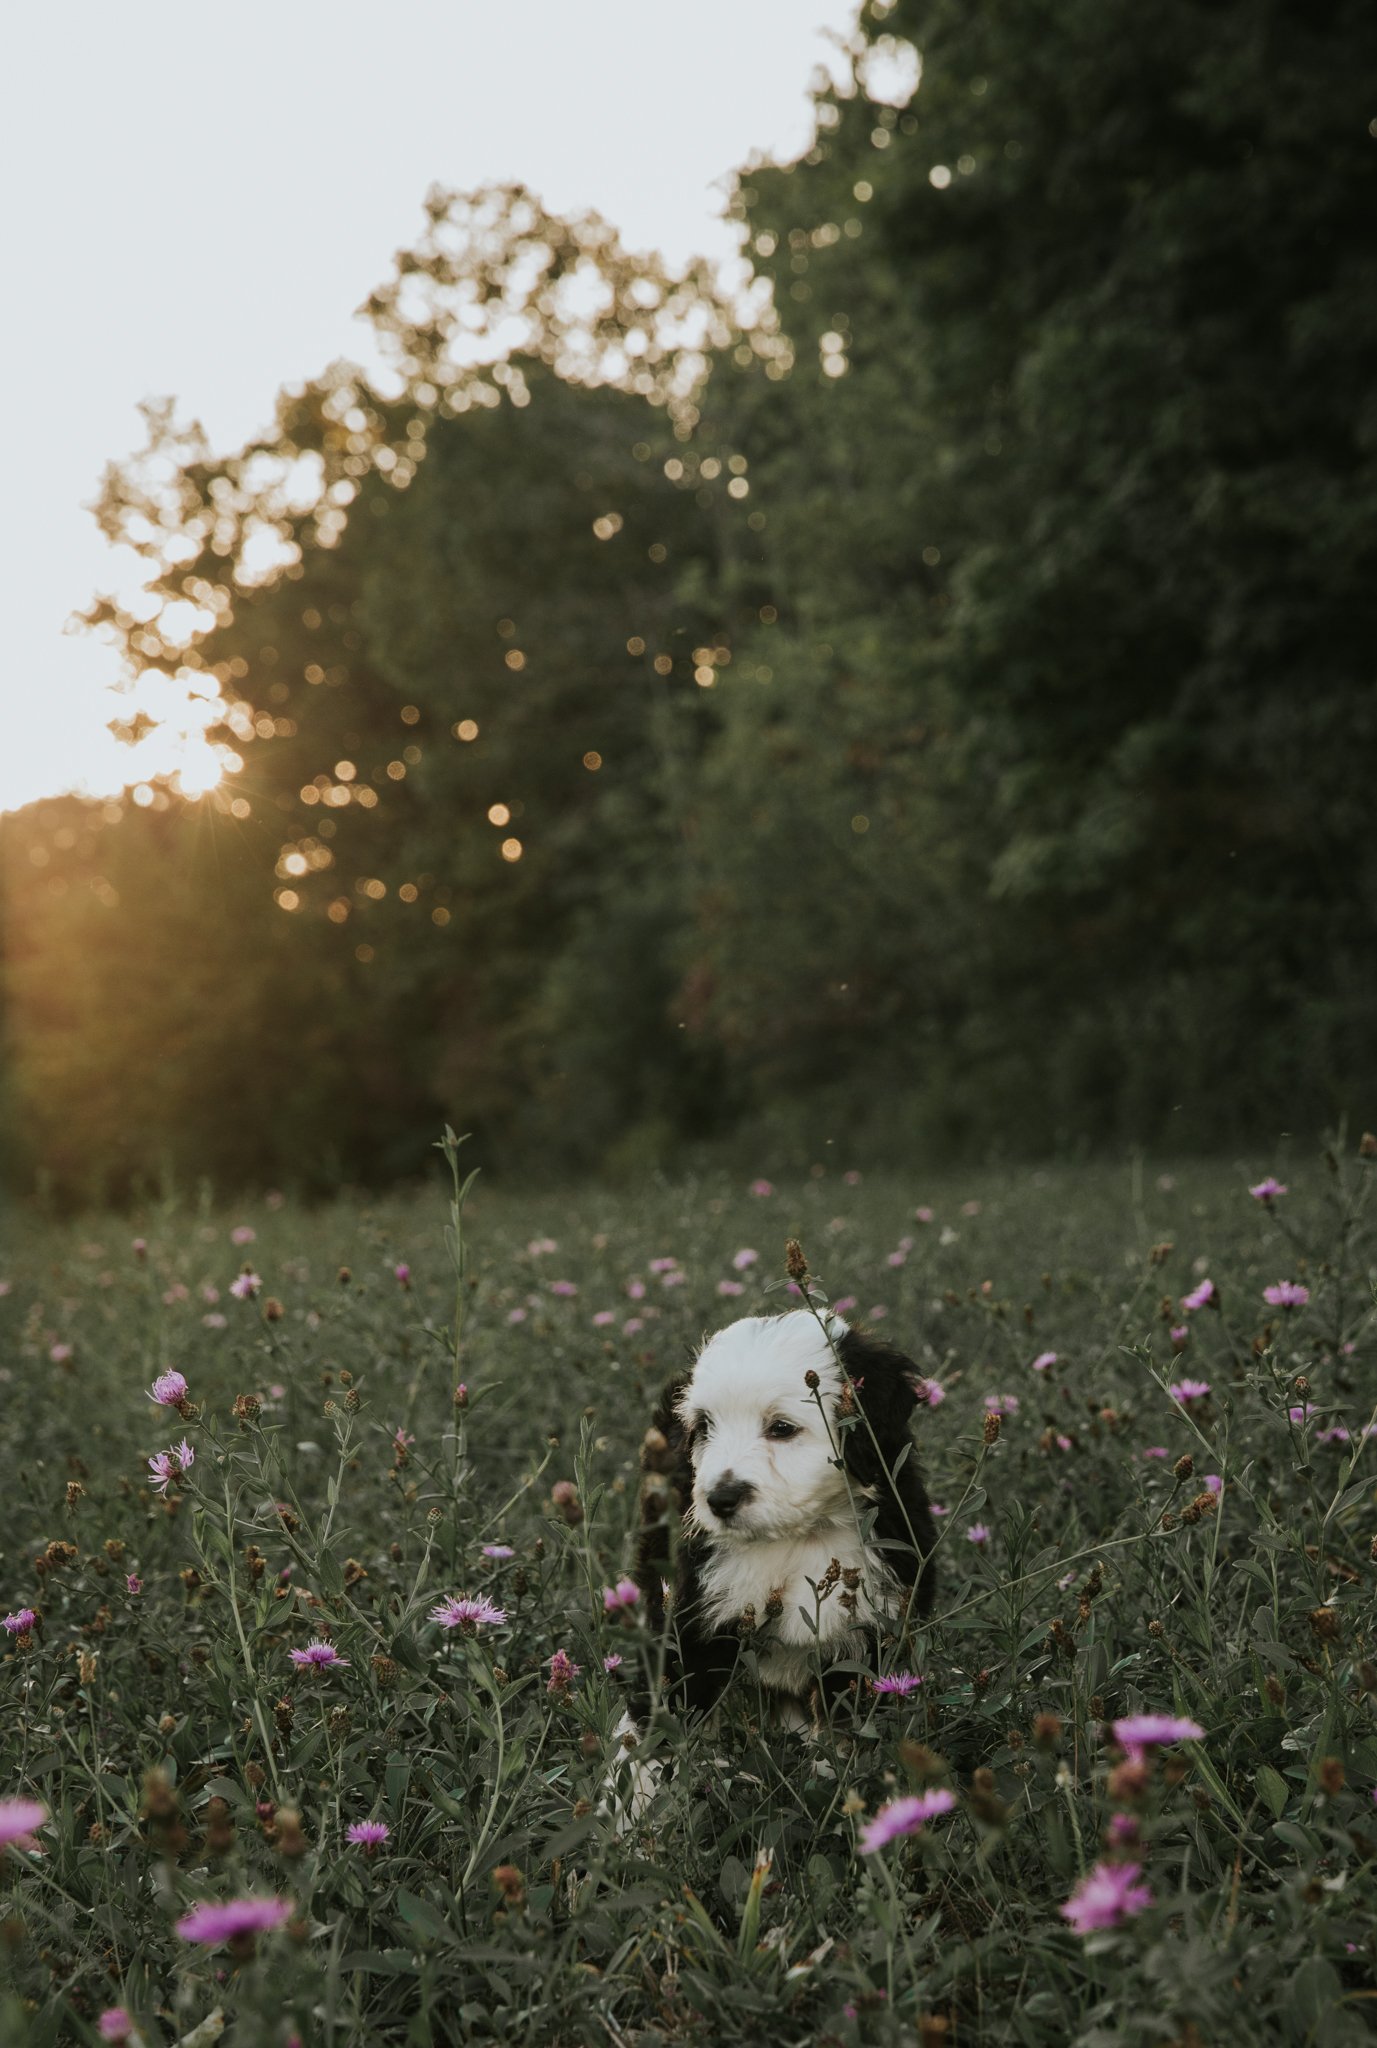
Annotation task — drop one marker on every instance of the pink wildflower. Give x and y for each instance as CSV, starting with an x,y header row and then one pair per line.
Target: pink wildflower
x,y
22,1623
61,1353
563,1288
1214,1482
631,1325
1180,1336
761,1188
246,1285
1300,1416
901,1683
923,1215
931,1393
1267,1190
243,1233
139,1247
978,1533
368,1835
1043,1360
18,1819
844,1305
1001,1404
1140,1732
168,1465
728,1288
318,1656
603,1317
498,1550
114,2024
896,1258
563,1672
665,1265
612,1662
402,1274
1109,1896
461,1612
903,1817
1188,1390
168,1390
539,1246
133,1583
878,1313
617,1599
516,1315
234,1920
1202,1296
1286,1294
852,1179
742,1259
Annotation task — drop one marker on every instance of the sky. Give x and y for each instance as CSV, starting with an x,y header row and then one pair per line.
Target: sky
x,y
197,200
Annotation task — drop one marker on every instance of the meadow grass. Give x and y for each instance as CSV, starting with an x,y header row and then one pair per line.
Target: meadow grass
x,y
1209,1559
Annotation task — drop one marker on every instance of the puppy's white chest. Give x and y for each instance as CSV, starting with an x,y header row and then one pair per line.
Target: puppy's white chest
x,y
827,1590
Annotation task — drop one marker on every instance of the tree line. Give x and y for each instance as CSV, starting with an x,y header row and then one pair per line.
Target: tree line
x,y
921,699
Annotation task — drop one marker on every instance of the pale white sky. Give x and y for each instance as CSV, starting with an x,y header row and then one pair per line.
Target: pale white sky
x,y
196,199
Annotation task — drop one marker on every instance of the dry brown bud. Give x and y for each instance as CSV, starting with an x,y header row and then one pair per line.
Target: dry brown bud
x,y
1160,1253
510,1883
1367,1146
1184,1466
990,1428
1324,1624
273,1310
795,1262
1330,1773
1047,1730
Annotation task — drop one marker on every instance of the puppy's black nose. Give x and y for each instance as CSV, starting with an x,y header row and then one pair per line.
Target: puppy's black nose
x,y
727,1496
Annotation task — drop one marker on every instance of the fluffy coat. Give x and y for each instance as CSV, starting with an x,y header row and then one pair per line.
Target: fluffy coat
x,y
781,1496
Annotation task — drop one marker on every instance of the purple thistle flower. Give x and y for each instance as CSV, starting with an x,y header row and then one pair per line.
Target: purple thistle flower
x,y
727,1288
22,1623
168,1465
612,1662
133,1583
901,1683
245,1286
1139,1732
18,1819
930,1392
563,1288
114,2024
978,1533
603,1317
1300,1416
402,1273
214,1924
744,1258
243,1233
1001,1404
1043,1360
1286,1294
1180,1336
368,1835
903,1817
923,1215
461,1612
623,1595
563,1672
319,1656
1202,1296
1110,1895
498,1550
1267,1190
843,1305
168,1390
1188,1390
761,1188
1214,1482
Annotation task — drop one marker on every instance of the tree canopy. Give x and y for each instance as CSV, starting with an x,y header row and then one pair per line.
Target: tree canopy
x,y
923,692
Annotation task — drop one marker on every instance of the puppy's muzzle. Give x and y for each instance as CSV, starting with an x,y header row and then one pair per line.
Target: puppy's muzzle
x,y
728,1495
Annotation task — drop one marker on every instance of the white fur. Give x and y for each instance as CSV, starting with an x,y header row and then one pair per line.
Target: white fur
x,y
780,1542
745,1377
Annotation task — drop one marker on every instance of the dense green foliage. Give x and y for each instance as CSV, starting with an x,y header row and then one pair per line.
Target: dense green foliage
x,y
938,690
153,1709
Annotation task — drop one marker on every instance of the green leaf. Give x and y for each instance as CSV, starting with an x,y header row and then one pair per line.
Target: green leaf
x,y
1272,1788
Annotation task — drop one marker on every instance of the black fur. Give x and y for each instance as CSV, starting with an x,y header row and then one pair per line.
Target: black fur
x,y
873,1426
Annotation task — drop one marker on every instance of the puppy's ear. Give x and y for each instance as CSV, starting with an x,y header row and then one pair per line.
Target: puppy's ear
x,y
878,1452
885,1397
666,1489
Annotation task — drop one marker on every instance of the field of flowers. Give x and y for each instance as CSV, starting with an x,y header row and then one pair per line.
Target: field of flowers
x,y
314,1527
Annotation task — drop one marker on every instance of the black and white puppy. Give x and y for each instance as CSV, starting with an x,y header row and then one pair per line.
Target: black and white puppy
x,y
781,1490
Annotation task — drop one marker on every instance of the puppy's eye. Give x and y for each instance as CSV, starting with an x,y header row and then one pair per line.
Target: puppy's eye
x,y
702,1430
780,1431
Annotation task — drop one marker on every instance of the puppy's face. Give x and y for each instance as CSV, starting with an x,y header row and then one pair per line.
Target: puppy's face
x,y
764,1460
